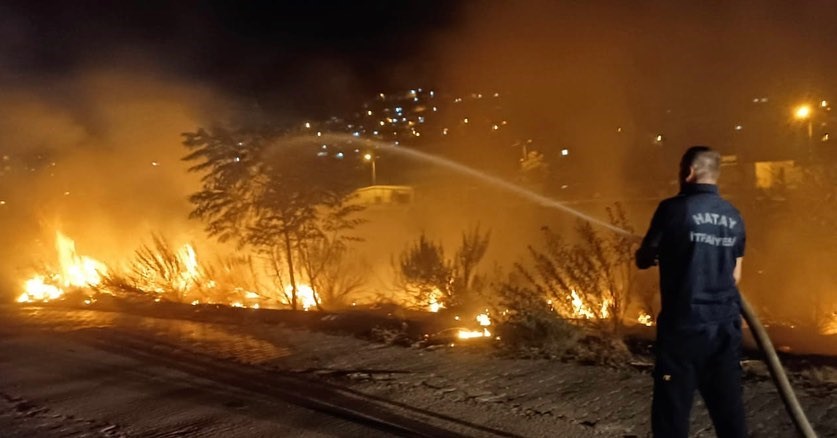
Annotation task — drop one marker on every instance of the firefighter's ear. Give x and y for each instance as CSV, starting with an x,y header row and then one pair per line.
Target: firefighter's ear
x,y
692,176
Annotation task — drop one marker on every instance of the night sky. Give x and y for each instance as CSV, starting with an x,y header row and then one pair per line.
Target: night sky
x,y
317,56
300,55
688,69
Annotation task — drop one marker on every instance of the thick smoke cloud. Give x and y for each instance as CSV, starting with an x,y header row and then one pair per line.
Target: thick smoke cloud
x,y
95,154
607,77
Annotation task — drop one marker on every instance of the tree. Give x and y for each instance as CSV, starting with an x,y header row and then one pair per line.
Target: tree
x,y
266,189
321,249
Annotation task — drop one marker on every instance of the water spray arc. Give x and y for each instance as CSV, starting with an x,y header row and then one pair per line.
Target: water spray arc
x,y
490,180
777,372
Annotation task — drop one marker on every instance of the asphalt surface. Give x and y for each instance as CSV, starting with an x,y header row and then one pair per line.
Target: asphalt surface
x,y
173,371
106,378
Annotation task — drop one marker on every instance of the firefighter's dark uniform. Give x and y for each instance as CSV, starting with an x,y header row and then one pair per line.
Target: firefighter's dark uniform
x,y
696,237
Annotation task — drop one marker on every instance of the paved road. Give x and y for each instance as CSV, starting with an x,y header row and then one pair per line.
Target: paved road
x,y
98,378
74,372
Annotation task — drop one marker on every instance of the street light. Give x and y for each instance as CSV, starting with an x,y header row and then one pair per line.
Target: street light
x,y
371,157
803,112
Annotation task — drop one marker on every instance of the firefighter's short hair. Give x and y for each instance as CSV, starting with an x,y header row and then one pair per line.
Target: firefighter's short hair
x,y
706,162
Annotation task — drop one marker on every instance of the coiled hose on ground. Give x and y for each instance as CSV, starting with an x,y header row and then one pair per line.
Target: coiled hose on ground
x,y
780,379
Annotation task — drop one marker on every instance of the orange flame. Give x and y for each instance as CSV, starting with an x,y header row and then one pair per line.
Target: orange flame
x,y
184,274
484,320
191,273
645,319
74,271
605,313
305,295
580,310
36,289
77,271
434,305
470,334
830,326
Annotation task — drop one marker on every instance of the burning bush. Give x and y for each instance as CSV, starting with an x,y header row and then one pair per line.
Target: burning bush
x,y
436,282
425,273
160,268
529,324
161,272
592,280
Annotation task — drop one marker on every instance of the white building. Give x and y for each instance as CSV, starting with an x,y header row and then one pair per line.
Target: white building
x,y
385,195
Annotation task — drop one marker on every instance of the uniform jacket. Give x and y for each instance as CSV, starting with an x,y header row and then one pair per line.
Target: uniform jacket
x,y
695,237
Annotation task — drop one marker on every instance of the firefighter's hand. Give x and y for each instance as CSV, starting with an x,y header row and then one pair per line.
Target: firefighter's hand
x,y
646,258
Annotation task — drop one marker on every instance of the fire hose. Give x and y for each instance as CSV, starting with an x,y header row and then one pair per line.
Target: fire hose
x,y
777,373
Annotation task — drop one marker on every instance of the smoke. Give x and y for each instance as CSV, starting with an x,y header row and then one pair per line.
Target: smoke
x,y
95,154
605,78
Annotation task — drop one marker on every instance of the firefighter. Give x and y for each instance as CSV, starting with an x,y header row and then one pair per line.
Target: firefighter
x,y
697,238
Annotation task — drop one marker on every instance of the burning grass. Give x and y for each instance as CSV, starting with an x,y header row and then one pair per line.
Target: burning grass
x,y
521,323
159,268
163,272
829,325
73,271
159,271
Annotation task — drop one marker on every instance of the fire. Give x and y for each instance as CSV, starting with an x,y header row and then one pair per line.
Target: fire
x,y
305,295
36,289
158,272
77,271
605,308
434,305
250,295
484,320
580,309
470,334
74,271
830,326
183,273
191,273
645,319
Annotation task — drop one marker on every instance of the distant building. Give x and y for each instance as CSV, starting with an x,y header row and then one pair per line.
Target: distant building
x,y
385,195
777,174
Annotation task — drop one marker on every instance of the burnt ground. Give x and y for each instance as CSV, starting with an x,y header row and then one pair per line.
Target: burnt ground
x,y
226,372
